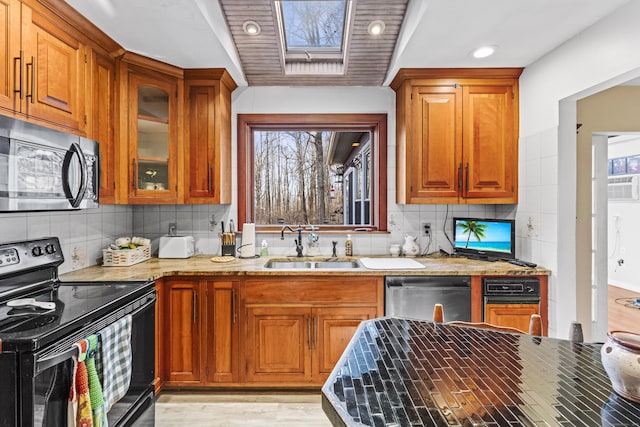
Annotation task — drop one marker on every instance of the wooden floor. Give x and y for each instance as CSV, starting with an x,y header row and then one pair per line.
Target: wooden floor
x,y
623,315
240,409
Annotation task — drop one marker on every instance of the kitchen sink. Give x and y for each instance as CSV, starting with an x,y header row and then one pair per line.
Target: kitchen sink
x,y
291,265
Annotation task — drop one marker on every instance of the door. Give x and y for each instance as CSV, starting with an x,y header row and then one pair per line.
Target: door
x,y
221,336
490,153
512,315
435,151
182,323
203,165
10,59
102,89
332,330
153,140
54,64
278,344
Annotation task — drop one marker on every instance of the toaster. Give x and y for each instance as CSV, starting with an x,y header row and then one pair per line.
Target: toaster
x,y
176,247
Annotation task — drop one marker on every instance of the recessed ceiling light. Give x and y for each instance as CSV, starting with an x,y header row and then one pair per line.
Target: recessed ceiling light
x,y
484,51
376,27
251,28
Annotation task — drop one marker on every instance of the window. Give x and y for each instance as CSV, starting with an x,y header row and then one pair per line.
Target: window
x,y
326,170
312,33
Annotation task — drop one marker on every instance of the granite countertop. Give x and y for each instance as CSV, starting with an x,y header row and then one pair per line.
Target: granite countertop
x,y
201,265
400,372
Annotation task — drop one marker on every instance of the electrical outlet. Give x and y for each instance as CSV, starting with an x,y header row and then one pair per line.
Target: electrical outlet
x,y
427,228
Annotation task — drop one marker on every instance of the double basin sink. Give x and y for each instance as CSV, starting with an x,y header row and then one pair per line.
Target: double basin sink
x,y
288,264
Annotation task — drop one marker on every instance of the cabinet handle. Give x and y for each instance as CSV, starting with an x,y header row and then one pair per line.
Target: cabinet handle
x,y
195,306
460,178
209,178
18,60
30,90
233,306
309,333
315,333
466,180
134,173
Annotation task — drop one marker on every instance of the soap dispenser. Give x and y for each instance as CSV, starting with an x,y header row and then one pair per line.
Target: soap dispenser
x,y
348,246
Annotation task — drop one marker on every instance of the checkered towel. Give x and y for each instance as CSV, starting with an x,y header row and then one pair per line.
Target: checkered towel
x,y
115,359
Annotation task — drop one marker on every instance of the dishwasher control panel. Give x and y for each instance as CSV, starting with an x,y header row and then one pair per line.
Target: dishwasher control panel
x,y
511,286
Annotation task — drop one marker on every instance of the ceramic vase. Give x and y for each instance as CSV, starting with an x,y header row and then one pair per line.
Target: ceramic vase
x,y
621,360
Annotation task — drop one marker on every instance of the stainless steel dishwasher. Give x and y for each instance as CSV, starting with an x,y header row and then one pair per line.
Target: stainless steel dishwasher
x,y
414,296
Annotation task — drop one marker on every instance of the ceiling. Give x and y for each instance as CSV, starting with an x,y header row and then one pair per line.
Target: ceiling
x,y
433,34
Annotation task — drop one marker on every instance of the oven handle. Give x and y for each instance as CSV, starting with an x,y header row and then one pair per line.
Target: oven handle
x,y
54,359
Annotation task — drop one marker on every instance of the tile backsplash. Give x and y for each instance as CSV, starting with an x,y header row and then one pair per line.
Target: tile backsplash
x,y
84,233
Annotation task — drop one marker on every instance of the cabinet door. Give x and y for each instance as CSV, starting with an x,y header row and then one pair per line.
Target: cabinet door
x,y
221,335
513,315
182,320
490,148
54,64
436,144
10,63
153,140
332,330
278,344
203,168
101,122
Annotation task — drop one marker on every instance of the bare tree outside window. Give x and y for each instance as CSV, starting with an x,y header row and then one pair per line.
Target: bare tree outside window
x,y
314,24
294,181
326,170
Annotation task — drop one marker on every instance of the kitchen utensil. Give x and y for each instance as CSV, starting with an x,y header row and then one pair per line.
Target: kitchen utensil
x,y
31,302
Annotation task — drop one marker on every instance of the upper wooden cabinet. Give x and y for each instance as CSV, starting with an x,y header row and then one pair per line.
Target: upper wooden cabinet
x,y
208,135
150,144
42,67
101,83
456,135
175,133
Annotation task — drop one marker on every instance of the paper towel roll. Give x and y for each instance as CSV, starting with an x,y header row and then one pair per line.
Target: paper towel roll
x,y
248,246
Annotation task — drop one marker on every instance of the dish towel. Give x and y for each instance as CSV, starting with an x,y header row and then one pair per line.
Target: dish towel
x,y
95,388
79,408
115,358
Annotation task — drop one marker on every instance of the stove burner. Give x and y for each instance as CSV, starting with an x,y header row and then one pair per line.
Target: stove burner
x,y
24,319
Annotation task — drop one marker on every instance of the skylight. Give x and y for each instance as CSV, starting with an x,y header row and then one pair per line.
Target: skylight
x,y
313,31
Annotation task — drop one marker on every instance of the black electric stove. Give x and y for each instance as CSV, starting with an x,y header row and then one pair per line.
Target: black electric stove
x,y
36,343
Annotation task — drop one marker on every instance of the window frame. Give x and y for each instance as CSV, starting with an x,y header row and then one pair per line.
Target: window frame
x,y
374,123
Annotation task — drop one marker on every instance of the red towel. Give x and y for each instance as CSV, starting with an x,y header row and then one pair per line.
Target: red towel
x,y
79,409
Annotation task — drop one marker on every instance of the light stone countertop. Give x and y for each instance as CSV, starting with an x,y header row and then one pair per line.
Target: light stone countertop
x,y
201,265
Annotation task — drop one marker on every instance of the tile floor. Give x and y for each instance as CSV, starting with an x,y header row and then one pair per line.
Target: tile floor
x,y
240,409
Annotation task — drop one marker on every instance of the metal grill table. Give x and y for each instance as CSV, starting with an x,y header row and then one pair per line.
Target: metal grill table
x,y
399,372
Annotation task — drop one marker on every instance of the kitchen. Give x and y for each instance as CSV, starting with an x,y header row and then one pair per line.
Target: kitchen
x,y
547,135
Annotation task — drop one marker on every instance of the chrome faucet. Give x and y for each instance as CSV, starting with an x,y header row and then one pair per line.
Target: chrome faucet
x,y
298,241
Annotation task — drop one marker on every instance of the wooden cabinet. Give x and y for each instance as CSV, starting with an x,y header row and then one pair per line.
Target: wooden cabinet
x,y
297,341
182,314
200,345
11,67
101,83
43,67
221,331
150,117
513,315
208,135
457,135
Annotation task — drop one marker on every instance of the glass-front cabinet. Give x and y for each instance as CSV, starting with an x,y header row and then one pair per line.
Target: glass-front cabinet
x,y
153,140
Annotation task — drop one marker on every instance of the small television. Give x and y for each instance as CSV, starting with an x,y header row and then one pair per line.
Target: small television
x,y
484,238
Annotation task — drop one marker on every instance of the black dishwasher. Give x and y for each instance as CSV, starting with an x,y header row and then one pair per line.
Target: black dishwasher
x,y
414,297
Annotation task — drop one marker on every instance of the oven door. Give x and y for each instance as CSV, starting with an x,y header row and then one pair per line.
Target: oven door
x,y
46,376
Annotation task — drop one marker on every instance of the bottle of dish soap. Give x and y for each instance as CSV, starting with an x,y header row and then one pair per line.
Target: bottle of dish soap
x,y
348,246
264,250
